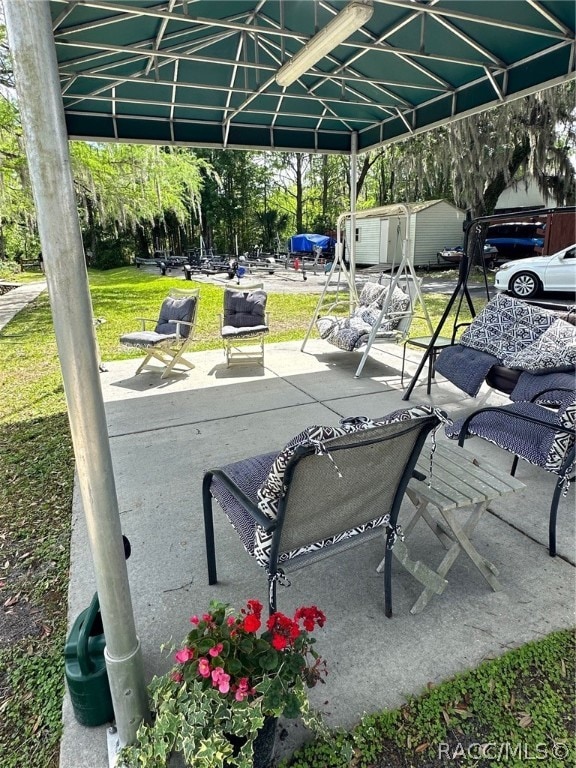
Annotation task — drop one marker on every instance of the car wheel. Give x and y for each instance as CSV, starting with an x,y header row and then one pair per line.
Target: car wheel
x,y
524,285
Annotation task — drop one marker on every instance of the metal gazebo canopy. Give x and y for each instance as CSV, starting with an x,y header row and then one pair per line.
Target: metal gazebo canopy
x,y
202,73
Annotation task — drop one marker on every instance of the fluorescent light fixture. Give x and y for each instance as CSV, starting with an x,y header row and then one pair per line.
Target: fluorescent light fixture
x,y
350,18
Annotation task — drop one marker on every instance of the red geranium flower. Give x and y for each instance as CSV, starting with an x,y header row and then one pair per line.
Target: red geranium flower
x,y
252,623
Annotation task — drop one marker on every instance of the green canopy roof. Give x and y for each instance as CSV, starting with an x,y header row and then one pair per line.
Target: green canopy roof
x,y
202,72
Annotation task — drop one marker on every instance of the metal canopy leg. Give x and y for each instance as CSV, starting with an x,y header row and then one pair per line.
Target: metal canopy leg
x,y
29,28
406,268
460,291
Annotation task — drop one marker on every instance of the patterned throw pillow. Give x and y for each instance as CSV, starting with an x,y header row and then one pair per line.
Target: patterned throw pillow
x,y
506,326
399,303
325,325
369,314
347,333
272,489
554,350
350,333
372,293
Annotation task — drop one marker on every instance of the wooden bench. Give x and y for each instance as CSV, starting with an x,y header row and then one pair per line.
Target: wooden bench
x,y
30,266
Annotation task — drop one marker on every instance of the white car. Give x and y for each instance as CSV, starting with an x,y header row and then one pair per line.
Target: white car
x,y
525,278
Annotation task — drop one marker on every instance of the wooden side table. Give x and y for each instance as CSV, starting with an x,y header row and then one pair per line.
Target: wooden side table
x,y
423,342
459,480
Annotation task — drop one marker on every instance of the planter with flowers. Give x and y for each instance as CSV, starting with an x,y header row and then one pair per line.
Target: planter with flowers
x,y
230,684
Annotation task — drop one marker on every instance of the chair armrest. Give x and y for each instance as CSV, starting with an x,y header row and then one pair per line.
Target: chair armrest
x,y
144,320
551,388
178,323
457,327
521,416
259,518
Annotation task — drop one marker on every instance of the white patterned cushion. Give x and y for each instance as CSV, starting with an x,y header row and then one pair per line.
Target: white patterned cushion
x,y
562,442
350,333
554,350
325,325
506,326
372,293
273,488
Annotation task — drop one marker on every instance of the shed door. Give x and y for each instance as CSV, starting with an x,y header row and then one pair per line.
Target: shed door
x,y
383,256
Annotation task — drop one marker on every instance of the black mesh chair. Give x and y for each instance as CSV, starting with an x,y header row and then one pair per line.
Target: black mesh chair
x,y
319,495
244,325
540,435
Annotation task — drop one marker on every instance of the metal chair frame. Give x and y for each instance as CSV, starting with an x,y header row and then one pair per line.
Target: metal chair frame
x,y
382,447
563,472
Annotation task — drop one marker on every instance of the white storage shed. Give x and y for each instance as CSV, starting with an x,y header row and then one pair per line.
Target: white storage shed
x,y
381,232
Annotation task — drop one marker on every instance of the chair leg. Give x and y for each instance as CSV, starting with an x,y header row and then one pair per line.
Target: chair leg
x,y
272,593
176,360
209,528
552,521
388,580
143,364
514,466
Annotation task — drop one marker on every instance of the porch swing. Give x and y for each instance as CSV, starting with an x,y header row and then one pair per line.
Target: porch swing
x,y
383,310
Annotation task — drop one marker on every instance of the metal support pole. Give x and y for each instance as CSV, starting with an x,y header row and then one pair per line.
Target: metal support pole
x,y
29,28
353,197
460,292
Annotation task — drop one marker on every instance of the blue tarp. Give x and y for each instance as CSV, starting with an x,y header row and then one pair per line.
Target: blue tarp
x,y
306,243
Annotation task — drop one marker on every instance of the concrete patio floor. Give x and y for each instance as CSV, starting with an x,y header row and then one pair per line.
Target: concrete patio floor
x,y
165,434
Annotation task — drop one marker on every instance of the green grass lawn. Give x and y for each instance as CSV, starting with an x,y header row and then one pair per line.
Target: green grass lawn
x,y
36,484
123,295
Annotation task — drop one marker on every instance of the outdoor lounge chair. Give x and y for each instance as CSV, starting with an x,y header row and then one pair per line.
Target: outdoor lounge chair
x,y
533,432
244,324
330,488
172,335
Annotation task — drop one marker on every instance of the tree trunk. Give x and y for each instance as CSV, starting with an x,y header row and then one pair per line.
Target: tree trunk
x,y
325,184
366,165
299,194
499,183
91,225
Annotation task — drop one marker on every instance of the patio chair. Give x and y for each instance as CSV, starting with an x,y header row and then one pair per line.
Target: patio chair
x,y
172,335
531,431
244,324
328,489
